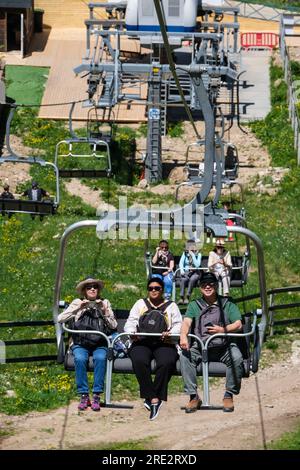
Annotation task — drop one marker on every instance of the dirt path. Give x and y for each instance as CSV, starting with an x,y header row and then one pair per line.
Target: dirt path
x,y
279,388
11,173
254,163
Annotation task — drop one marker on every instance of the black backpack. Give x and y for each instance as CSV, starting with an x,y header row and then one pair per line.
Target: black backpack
x,y
211,315
91,320
154,320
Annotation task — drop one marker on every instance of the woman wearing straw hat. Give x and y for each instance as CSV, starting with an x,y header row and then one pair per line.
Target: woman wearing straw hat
x,y
89,290
219,263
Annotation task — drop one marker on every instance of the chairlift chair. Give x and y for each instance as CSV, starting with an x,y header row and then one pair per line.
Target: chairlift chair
x,y
238,276
225,167
80,148
72,148
10,206
228,155
206,369
99,130
41,208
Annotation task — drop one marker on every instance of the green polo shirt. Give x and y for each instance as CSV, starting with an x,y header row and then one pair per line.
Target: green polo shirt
x,y
231,310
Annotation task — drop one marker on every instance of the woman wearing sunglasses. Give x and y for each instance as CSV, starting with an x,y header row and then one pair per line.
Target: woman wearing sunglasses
x,y
89,300
157,315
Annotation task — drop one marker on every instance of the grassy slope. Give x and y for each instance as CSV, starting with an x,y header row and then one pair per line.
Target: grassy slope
x,y
28,253
289,441
288,4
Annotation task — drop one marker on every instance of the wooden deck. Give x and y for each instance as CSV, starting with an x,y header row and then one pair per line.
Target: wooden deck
x,y
62,50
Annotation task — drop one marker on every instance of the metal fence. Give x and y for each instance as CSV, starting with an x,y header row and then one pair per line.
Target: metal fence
x,y
274,308
9,326
287,30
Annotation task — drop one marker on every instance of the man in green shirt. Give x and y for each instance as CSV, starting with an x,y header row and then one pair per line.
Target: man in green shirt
x,y
212,320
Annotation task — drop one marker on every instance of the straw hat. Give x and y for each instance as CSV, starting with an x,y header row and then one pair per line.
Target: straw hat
x,y
89,280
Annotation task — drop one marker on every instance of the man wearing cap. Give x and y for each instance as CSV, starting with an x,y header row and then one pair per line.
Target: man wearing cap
x,y
211,314
220,264
35,193
89,290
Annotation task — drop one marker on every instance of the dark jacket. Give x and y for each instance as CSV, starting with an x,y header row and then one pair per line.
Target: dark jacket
x,y
7,195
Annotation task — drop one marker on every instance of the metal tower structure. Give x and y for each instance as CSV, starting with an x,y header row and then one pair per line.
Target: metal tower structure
x,y
206,66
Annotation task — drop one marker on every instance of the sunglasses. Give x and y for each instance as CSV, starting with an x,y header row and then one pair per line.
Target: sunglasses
x,y
93,286
156,288
207,284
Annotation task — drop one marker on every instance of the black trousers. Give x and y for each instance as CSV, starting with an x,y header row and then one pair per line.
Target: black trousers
x,y
165,355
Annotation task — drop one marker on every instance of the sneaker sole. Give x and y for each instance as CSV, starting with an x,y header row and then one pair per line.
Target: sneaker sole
x,y
154,417
146,406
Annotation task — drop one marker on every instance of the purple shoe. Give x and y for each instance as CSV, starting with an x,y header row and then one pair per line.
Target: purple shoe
x,y
96,402
84,402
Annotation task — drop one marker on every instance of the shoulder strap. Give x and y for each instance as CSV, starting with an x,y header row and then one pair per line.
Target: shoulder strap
x,y
224,301
148,305
201,304
166,305
162,308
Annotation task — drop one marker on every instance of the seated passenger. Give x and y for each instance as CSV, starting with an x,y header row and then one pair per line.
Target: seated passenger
x,y
229,222
89,309
220,264
153,315
35,193
164,261
211,314
6,194
189,277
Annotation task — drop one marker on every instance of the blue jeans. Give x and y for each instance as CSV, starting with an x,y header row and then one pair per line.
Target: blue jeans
x,y
168,282
81,357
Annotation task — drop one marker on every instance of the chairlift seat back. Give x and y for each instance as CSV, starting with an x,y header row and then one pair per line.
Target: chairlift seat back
x,y
28,207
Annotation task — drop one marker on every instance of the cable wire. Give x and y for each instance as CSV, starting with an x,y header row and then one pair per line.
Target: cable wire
x,y
263,432
19,105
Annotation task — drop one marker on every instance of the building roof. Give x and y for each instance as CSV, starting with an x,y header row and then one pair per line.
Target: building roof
x,y
16,3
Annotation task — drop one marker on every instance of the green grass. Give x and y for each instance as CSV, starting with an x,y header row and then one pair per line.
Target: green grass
x,y
289,441
274,131
276,218
141,444
25,84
